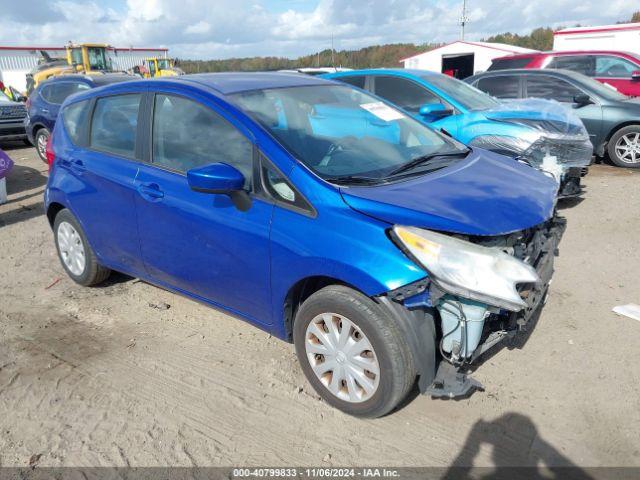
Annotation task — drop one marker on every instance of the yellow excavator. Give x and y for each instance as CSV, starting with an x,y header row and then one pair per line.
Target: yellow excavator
x,y
87,58
158,67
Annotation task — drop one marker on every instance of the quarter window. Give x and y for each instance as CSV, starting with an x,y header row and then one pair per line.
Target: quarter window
x,y
614,67
187,135
114,124
74,117
503,86
404,93
551,88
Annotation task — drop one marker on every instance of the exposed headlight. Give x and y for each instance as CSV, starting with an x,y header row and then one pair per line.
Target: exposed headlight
x,y
471,271
512,146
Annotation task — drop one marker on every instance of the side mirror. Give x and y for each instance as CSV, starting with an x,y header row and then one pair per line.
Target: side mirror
x,y
582,100
435,110
635,76
220,178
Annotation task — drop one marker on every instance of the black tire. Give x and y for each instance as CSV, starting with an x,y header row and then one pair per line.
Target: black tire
x,y
615,138
93,273
397,370
42,135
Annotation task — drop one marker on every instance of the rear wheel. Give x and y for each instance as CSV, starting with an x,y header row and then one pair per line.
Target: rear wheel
x,y
624,147
75,253
352,353
41,138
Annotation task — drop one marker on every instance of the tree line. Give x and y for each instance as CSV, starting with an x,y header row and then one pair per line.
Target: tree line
x,y
387,56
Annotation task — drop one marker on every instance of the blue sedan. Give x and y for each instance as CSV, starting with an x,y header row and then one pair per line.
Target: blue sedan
x,y
385,251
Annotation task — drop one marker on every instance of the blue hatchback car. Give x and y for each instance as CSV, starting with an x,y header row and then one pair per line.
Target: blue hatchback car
x,y
44,103
384,250
542,134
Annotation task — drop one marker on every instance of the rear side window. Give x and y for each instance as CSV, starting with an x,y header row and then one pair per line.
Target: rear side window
x,y
584,64
57,93
187,135
551,88
404,93
74,117
508,63
356,81
114,124
503,86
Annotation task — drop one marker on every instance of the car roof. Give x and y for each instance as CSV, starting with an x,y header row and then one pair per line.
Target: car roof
x,y
558,72
405,72
567,52
228,83
97,80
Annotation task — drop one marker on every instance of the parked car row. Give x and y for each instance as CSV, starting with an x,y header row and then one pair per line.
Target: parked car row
x,y
530,134
611,118
393,224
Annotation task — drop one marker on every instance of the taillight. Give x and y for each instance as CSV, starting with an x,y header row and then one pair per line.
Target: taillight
x,y
51,156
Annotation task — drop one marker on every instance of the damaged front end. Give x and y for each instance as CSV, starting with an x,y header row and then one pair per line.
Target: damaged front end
x,y
480,292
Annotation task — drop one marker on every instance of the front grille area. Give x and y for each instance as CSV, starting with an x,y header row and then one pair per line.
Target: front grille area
x,y
13,112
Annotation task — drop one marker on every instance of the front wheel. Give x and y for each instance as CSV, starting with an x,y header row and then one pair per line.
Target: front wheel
x,y
352,353
624,147
75,253
41,139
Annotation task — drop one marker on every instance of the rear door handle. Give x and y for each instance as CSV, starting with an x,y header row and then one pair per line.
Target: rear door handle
x,y
150,191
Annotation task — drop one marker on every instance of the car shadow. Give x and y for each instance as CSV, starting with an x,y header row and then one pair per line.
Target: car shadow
x,y
20,214
517,451
22,179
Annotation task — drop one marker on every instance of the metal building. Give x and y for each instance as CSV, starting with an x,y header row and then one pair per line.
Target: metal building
x,y
16,62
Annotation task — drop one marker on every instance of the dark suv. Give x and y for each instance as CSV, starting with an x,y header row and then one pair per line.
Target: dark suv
x,y
44,103
611,118
12,116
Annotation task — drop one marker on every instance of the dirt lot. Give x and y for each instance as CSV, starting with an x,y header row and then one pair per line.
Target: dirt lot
x,y
110,376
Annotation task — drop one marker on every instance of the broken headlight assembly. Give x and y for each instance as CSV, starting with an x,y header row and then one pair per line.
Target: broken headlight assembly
x,y
458,267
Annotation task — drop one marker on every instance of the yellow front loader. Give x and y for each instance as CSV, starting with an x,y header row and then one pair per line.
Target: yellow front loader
x,y
87,58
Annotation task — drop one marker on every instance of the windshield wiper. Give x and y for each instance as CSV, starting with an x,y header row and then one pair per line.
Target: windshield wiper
x,y
424,159
354,180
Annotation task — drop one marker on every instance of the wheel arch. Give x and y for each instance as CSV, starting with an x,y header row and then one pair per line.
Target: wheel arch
x,y
302,290
619,126
52,211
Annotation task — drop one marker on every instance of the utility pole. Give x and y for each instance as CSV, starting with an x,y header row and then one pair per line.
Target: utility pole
x,y
463,19
333,63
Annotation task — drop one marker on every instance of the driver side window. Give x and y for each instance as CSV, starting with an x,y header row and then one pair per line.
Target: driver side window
x,y
187,135
404,93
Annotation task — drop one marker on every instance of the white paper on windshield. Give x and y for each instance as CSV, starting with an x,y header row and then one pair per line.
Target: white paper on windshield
x,y
382,111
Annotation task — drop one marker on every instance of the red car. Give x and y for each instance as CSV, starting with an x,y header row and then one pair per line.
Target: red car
x,y
619,69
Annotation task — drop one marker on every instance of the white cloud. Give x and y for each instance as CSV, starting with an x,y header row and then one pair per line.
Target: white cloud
x,y
224,28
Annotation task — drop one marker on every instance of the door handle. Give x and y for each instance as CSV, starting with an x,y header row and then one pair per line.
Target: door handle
x,y
45,110
150,191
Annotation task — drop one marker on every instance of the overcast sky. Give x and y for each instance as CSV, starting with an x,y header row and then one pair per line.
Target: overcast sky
x,y
230,28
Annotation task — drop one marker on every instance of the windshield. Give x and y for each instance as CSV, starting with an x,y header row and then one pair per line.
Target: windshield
x,y
163,64
97,58
469,97
340,132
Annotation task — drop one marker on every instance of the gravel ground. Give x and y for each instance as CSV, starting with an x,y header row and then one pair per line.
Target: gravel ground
x,y
129,374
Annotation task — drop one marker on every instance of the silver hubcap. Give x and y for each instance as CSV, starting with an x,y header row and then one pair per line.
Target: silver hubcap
x,y
71,248
342,357
628,147
42,145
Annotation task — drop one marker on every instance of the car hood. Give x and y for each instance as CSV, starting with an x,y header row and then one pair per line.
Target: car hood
x,y
484,194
